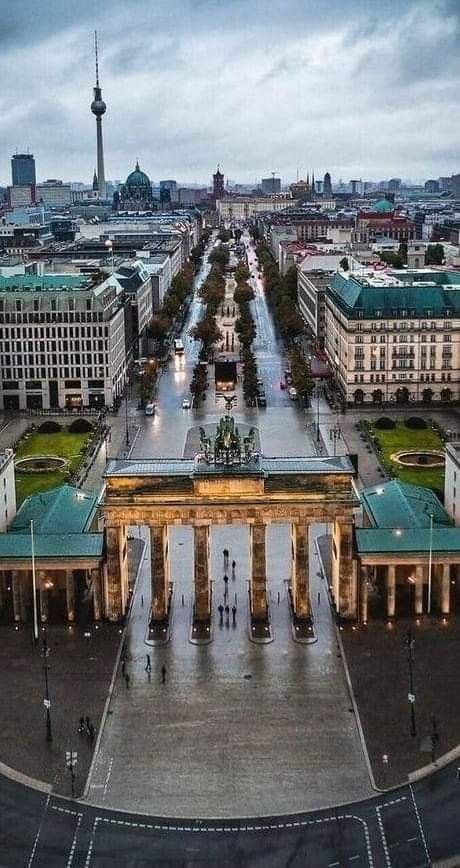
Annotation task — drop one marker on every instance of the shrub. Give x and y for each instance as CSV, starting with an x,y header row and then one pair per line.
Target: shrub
x,y
415,422
80,426
50,427
385,423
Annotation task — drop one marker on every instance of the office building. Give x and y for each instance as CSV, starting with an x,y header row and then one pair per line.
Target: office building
x,y
270,186
54,193
23,170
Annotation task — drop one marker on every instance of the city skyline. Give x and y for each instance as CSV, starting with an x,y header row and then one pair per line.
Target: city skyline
x,y
187,90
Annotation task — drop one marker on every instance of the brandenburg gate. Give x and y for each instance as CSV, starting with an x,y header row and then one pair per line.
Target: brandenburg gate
x,y
229,482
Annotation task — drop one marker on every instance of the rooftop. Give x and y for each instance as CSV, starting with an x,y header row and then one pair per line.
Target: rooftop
x,y
60,546
375,541
40,283
62,510
399,505
423,293
258,466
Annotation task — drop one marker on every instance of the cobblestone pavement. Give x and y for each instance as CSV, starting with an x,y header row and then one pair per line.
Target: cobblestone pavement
x,y
238,728
80,671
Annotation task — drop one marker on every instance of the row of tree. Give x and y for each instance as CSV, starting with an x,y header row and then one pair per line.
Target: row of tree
x,y
206,331
281,294
301,374
246,330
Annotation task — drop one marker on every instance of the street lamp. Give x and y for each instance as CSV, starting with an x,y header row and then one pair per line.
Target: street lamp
x,y
411,695
46,701
109,245
34,581
318,435
126,411
430,563
335,434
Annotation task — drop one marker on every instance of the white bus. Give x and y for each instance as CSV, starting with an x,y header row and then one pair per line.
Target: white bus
x,y
178,347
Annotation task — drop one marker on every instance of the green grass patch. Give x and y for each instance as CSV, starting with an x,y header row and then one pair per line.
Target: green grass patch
x,y
401,438
64,445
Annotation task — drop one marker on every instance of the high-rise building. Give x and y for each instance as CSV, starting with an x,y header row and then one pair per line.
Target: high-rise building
x,y
171,187
271,186
23,170
98,108
327,185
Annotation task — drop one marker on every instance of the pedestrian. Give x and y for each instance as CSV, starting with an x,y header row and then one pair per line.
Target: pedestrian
x,y
233,570
163,674
225,554
123,667
227,615
81,725
142,601
91,731
234,615
279,598
220,609
148,667
127,680
87,724
319,597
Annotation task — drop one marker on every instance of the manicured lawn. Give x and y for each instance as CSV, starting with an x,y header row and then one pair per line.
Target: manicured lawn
x,y
400,438
64,445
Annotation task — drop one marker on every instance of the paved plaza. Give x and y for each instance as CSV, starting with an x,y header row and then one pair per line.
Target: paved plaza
x,y
238,728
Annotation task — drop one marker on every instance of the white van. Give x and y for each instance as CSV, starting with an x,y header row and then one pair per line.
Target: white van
x,y
292,393
150,410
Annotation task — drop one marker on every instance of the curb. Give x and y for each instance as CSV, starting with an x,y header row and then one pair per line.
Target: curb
x,y
21,778
84,795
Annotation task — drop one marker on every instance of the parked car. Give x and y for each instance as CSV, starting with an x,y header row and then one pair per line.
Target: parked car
x,y
261,400
282,384
149,409
292,393
186,404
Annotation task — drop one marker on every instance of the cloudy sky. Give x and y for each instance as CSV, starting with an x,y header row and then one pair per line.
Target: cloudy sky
x,y
362,89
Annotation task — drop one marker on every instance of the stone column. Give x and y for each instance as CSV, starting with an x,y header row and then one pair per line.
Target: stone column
x,y
391,590
159,571
97,594
42,579
300,585
117,572
363,594
445,590
70,594
258,573
202,608
16,587
418,604
347,603
2,588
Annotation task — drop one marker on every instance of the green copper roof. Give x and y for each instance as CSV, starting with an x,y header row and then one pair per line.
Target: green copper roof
x,y
65,510
138,178
52,545
397,504
383,205
420,296
38,282
405,540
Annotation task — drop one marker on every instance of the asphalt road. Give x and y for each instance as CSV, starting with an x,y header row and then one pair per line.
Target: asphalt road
x,y
410,827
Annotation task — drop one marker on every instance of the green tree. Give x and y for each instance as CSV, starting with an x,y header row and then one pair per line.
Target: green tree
x,y
434,254
206,331
393,259
344,264
290,283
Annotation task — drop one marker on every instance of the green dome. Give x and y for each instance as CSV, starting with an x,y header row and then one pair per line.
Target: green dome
x,y
383,205
138,179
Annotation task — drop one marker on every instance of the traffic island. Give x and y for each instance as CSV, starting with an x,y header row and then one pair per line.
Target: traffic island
x,y
201,632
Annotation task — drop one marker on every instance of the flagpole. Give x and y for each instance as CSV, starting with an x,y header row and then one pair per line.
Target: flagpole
x,y
34,581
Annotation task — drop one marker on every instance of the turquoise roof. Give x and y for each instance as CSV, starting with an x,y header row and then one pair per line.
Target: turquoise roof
x,y
62,510
375,541
411,297
138,178
383,205
40,282
52,545
397,504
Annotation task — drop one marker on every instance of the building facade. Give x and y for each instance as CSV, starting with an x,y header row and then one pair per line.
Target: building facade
x,y
246,207
23,170
7,489
452,482
394,337
62,341
54,194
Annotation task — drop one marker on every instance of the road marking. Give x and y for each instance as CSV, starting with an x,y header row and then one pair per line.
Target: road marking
x,y
383,836
37,836
352,858
91,842
74,842
422,834
107,778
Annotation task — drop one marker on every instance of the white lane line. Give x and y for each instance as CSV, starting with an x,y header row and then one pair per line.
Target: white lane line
x,y
107,778
91,843
383,837
74,842
422,833
37,836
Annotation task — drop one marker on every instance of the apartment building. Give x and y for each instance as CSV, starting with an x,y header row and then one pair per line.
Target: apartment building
x,y
394,337
62,341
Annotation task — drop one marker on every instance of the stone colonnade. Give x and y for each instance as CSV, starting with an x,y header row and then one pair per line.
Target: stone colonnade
x,y
49,581
417,579
160,568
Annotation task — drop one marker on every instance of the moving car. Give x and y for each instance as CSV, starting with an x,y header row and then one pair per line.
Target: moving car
x,y
186,404
282,384
149,410
292,393
261,400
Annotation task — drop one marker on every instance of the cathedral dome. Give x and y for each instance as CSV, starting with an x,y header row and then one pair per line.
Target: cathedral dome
x,y
138,179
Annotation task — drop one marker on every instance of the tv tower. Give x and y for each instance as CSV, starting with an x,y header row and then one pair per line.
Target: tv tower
x,y
98,108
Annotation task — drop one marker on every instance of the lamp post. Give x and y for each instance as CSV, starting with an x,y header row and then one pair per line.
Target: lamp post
x,y
430,564
46,701
318,435
411,695
109,245
335,434
34,580
126,411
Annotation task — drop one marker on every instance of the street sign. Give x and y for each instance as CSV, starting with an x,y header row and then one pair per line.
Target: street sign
x,y
47,703
71,757
385,759
411,697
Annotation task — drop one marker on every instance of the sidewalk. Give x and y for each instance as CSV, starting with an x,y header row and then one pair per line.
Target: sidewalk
x,y
80,670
